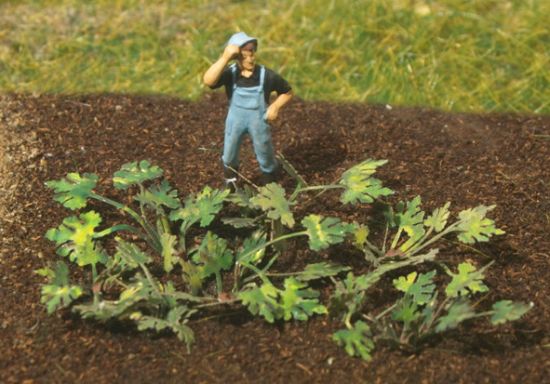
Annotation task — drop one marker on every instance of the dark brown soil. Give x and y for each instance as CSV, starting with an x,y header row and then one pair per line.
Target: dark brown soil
x,y
466,159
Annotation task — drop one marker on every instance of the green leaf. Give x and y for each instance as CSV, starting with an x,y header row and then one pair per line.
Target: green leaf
x,y
349,295
406,311
157,196
298,303
140,292
429,312
169,258
323,232
507,310
247,254
356,341
474,226
271,199
175,320
403,283
420,290
360,186
130,254
74,238
135,173
360,235
263,301
58,293
458,312
242,197
204,207
411,221
320,270
467,281
438,219
73,191
192,275
213,255
240,222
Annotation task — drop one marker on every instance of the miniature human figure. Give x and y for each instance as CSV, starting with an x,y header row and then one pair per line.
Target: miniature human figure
x,y
248,87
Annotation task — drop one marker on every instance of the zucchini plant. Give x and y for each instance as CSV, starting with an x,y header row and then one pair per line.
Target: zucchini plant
x,y
421,312
165,264
410,238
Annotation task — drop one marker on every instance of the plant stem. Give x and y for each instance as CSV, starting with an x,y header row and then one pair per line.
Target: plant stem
x,y
256,270
396,238
385,311
449,229
94,278
154,241
385,238
151,279
119,227
215,303
219,283
374,249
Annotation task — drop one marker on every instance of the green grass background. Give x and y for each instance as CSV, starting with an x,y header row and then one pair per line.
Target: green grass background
x,y
484,55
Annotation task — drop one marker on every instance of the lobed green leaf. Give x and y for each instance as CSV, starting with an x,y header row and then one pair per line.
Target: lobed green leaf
x,y
356,341
74,238
175,320
263,301
213,255
457,313
420,289
168,245
202,208
130,254
256,241
323,232
411,221
467,281
407,311
474,226
320,270
73,190
271,199
507,310
157,196
299,303
438,219
58,293
359,186
135,173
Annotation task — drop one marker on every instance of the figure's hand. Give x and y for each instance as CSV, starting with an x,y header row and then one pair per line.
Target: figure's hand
x,y
231,52
272,113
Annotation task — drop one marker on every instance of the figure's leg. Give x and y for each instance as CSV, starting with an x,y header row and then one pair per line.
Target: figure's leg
x,y
234,132
260,133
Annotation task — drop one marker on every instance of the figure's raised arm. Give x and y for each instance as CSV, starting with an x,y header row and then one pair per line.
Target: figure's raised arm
x,y
212,75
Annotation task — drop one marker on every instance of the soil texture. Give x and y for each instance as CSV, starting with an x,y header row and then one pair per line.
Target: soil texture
x,y
462,158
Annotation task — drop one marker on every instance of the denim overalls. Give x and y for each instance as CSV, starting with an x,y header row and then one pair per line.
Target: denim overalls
x,y
247,112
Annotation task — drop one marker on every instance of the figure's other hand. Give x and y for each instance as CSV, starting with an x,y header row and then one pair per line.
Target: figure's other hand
x,y
231,52
272,112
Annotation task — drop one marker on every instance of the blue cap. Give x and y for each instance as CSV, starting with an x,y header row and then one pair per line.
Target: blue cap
x,y
240,39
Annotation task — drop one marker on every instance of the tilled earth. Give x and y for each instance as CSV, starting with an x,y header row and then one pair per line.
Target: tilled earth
x,y
466,159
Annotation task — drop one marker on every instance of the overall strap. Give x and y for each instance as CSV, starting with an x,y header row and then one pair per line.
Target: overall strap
x,y
262,77
234,74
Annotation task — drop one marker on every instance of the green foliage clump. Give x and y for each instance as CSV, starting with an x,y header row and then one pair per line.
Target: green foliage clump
x,y
420,313
169,263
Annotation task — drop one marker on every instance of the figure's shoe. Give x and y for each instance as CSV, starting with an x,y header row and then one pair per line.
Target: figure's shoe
x,y
231,180
271,177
